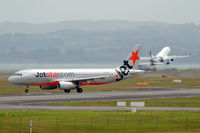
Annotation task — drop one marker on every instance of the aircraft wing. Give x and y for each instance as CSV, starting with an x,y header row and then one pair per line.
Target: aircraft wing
x,y
145,58
148,63
84,79
178,57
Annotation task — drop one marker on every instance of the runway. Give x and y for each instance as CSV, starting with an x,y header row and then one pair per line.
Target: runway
x,y
35,101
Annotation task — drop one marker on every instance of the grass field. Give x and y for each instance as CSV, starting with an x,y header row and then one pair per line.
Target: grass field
x,y
7,88
6,74
170,102
106,122
98,122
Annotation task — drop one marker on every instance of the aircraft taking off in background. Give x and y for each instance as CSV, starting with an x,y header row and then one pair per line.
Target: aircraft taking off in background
x,y
68,79
161,57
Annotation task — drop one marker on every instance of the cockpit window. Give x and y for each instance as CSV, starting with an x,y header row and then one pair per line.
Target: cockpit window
x,y
17,74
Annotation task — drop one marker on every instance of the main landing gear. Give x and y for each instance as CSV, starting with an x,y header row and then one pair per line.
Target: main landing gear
x,y
27,90
67,91
79,90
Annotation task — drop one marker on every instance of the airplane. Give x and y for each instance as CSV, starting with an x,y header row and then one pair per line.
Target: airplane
x,y
68,79
161,57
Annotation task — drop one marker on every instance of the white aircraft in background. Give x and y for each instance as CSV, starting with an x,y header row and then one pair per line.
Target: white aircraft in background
x,y
68,79
161,57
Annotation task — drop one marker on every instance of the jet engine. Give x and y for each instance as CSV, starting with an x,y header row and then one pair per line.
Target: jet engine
x,y
161,59
172,59
45,87
67,85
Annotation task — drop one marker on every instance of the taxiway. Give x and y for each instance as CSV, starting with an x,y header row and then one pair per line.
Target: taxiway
x,y
36,101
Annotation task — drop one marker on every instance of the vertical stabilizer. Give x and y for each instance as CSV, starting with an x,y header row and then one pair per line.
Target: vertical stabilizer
x,y
129,62
133,57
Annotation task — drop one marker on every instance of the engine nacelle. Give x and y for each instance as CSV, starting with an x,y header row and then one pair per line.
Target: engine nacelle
x,y
45,87
161,59
172,59
67,85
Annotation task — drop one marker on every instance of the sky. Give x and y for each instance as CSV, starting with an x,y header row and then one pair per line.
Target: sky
x,y
44,11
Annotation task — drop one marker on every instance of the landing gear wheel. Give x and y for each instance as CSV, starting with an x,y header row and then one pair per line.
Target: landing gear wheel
x,y
26,90
67,91
79,90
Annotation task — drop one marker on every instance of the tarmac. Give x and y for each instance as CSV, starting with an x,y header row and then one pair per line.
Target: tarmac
x,y
36,101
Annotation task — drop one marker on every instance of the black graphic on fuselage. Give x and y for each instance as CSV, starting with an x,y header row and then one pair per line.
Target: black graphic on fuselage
x,y
123,70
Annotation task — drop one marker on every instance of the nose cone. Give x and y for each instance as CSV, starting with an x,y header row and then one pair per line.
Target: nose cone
x,y
11,79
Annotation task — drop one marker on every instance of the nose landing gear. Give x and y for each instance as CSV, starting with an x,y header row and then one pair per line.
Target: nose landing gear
x,y
27,90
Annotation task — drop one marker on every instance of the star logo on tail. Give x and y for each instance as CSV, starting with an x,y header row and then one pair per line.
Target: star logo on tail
x,y
134,57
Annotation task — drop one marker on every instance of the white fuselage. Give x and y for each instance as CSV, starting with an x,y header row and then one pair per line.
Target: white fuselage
x,y
39,77
164,53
